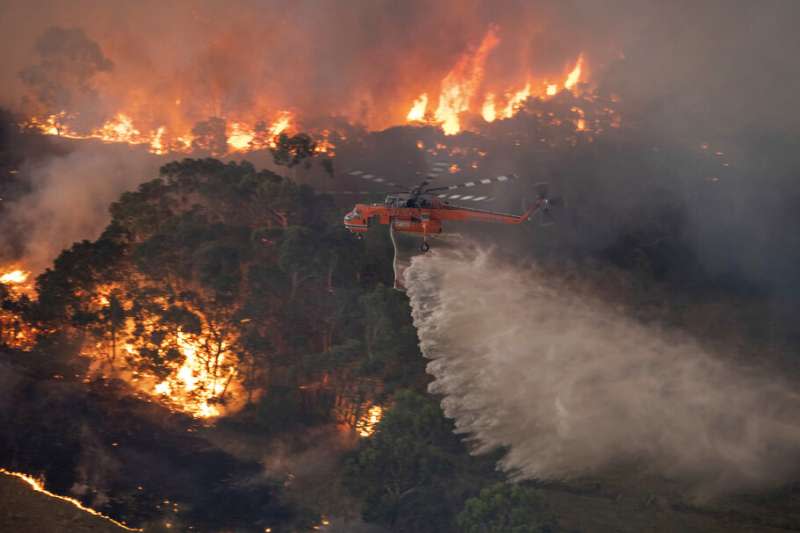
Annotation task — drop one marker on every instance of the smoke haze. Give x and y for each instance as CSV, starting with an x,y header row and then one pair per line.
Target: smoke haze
x,y
706,63
69,201
686,72
572,386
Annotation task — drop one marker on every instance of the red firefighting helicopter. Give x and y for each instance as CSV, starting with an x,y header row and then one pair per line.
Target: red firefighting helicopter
x,y
422,210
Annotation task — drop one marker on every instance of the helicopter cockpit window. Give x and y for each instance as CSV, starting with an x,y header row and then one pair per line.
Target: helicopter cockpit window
x,y
353,214
393,201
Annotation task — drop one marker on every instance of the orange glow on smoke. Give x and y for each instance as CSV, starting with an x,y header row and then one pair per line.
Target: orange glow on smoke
x,y
461,84
463,89
174,123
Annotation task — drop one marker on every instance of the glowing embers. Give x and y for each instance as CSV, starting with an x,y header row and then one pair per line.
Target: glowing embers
x,y
37,484
580,123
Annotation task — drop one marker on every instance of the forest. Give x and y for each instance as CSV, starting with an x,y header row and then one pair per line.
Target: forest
x,y
289,320
224,315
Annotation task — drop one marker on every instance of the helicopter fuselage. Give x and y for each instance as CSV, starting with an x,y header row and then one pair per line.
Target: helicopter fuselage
x,y
422,214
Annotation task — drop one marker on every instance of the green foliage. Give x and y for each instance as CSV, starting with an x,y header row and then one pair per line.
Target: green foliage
x,y
258,265
291,151
507,508
75,273
414,473
389,334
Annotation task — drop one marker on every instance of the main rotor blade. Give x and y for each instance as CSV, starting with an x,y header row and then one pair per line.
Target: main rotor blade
x,y
348,192
437,169
440,167
465,197
355,193
475,183
375,178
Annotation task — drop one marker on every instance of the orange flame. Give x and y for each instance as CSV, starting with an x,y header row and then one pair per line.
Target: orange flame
x,y
488,111
464,88
15,277
366,425
121,128
193,378
37,484
461,84
575,74
239,137
15,332
203,382
417,111
280,124
516,101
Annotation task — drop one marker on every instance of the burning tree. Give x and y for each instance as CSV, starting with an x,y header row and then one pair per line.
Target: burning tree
x,y
210,288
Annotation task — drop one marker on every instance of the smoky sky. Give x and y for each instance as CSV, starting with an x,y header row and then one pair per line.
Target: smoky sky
x,y
718,71
728,64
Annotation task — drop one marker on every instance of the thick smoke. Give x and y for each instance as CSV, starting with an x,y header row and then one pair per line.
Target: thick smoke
x,y
366,60
720,70
62,78
716,60
69,200
572,387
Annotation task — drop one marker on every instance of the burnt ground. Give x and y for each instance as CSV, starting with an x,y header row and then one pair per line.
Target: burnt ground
x,y
128,458
139,463
22,510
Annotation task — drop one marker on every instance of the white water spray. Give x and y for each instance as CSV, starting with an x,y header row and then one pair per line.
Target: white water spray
x,y
572,387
